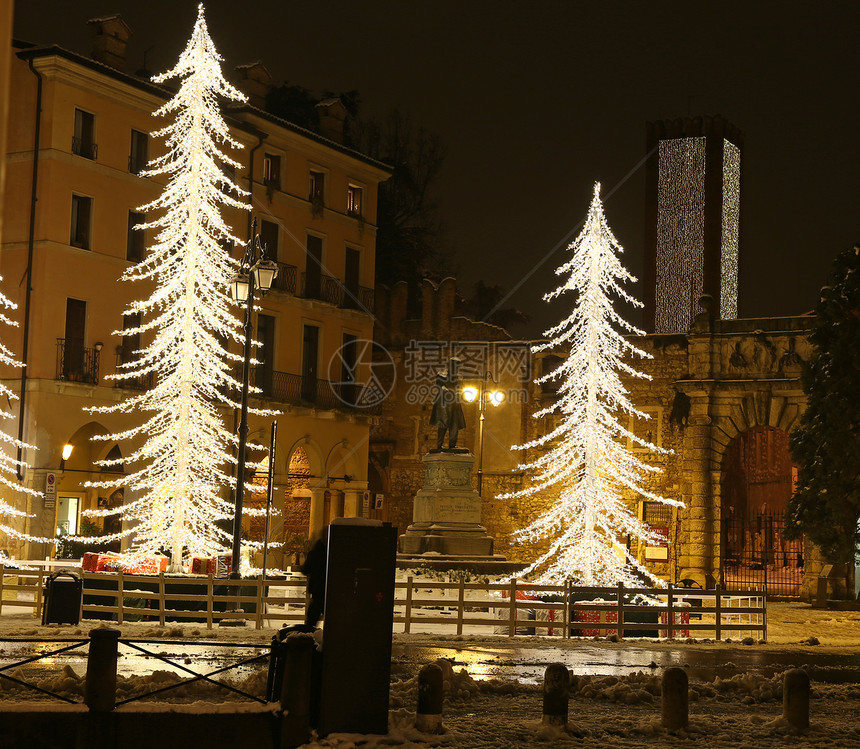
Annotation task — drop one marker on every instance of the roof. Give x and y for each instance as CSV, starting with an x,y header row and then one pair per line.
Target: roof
x,y
29,52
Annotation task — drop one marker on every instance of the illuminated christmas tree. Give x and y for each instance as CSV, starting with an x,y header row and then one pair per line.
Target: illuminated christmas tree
x,y
10,465
181,468
585,457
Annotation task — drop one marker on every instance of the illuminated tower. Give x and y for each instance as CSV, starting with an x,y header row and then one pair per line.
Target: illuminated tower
x,y
692,215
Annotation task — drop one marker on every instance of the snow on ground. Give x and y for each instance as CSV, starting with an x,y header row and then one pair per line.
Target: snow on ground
x,y
607,711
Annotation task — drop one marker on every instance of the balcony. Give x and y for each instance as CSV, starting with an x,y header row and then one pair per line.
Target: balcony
x,y
76,363
86,148
286,279
360,299
137,163
293,388
124,354
332,290
322,287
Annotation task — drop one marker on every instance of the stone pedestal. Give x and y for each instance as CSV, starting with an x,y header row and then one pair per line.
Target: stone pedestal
x,y
446,515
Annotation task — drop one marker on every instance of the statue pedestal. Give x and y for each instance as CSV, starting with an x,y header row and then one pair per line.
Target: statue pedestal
x,y
446,515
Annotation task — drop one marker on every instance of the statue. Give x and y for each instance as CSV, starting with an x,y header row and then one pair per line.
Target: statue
x,y
447,414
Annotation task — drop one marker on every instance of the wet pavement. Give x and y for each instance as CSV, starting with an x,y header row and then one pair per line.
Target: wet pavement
x,y
527,664
524,663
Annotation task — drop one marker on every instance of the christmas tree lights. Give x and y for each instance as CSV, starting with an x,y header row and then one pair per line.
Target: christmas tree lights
x,y
9,465
585,456
181,467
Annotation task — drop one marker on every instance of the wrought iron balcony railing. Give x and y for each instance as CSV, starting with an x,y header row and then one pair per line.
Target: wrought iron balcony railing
x,y
76,362
286,278
86,148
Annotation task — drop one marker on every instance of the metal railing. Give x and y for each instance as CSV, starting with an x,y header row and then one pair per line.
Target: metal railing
x,y
143,382
86,148
76,362
286,278
321,287
143,647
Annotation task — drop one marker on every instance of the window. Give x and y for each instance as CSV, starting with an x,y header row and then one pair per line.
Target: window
x,y
83,141
313,267
354,200
138,156
130,341
350,279
74,355
316,189
269,238
310,357
136,238
265,354
82,211
272,170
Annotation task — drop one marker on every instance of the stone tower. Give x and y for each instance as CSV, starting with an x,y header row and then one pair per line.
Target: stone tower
x,y
692,218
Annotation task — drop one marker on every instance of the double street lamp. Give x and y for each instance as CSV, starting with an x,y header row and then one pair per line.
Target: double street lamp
x,y
256,275
482,395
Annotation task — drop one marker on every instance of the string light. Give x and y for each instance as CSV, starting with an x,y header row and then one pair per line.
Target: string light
x,y
181,469
730,227
10,465
585,454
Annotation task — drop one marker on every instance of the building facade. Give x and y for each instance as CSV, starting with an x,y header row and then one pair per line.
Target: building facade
x,y
78,138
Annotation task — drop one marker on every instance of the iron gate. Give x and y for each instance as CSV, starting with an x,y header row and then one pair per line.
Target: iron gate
x,y
755,554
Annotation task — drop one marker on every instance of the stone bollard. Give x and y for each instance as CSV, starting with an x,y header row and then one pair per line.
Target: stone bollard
x,y
675,699
100,685
795,698
556,692
296,689
428,717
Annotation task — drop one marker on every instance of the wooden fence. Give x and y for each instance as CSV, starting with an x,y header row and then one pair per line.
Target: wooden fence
x,y
504,608
544,609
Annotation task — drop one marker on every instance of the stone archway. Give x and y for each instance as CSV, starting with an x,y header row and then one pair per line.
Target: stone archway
x,y
756,482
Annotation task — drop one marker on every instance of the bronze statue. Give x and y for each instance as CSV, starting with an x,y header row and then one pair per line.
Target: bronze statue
x,y
447,414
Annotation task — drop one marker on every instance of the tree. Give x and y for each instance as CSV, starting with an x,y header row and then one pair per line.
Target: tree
x,y
9,465
408,229
586,455
180,468
825,506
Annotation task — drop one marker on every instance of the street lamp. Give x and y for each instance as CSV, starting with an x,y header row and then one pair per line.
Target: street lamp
x,y
256,273
495,397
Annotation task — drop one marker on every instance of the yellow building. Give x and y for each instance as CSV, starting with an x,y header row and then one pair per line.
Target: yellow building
x,y
69,204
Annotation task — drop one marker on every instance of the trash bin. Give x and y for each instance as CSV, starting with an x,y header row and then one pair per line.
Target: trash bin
x,y
62,598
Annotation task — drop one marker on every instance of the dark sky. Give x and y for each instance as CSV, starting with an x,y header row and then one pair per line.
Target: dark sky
x,y
536,99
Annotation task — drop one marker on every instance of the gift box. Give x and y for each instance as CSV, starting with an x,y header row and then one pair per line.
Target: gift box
x,y
89,561
223,564
108,562
146,565
202,565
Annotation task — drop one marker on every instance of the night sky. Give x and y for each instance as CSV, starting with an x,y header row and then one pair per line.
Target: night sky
x,y
536,99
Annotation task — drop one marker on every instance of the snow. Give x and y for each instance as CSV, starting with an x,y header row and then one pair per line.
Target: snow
x,y
741,710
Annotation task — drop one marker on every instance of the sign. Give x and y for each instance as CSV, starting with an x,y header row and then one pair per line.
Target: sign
x,y
365,505
377,501
659,551
50,490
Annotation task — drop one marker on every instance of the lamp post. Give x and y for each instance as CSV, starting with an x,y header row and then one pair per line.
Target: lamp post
x,y
256,273
495,397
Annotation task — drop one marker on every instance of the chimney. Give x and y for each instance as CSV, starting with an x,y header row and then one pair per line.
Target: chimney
x,y
332,114
110,39
254,81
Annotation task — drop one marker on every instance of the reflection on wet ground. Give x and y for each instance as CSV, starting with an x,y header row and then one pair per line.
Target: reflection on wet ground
x,y
527,664
519,662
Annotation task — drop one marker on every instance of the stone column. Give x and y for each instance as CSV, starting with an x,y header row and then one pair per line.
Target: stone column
x,y
336,503
317,511
698,530
352,501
